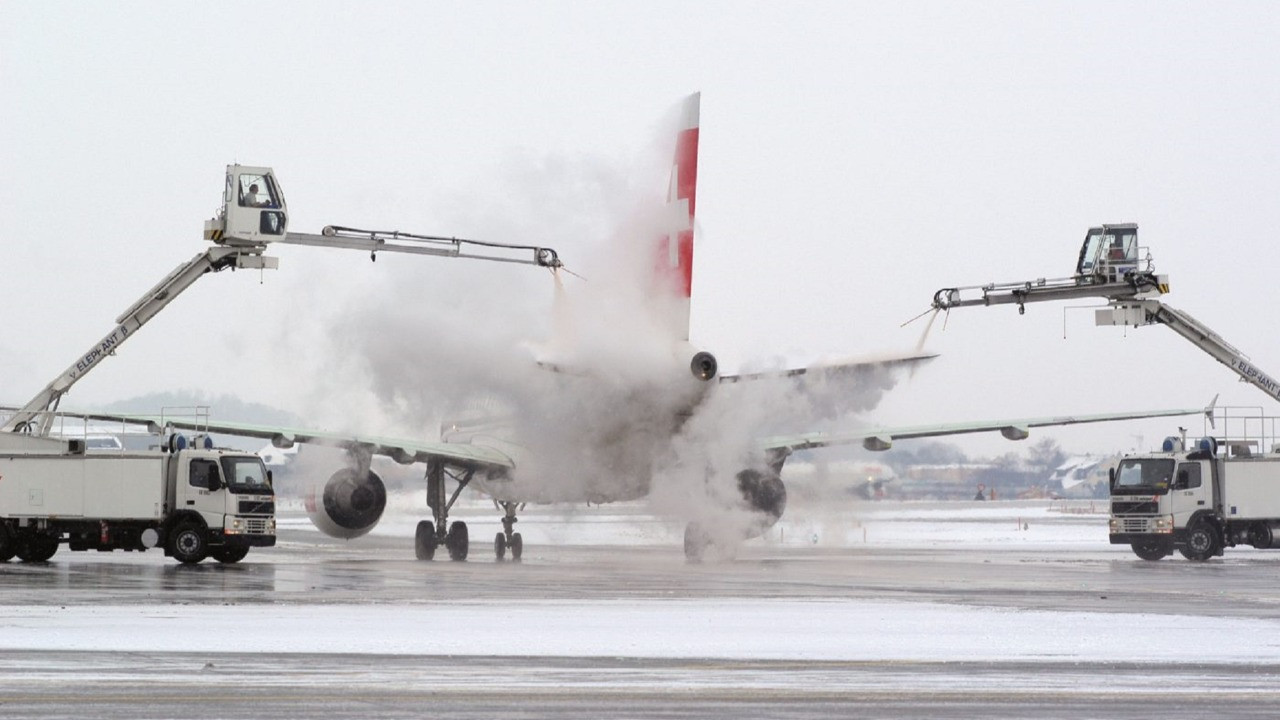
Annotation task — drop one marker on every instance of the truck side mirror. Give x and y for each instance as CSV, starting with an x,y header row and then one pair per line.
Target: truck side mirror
x,y
1182,481
271,483
1111,478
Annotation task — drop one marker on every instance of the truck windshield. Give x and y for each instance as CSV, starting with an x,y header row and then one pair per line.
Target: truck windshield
x,y
245,475
1143,477
1087,263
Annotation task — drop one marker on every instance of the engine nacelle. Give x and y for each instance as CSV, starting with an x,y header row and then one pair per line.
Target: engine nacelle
x,y
704,365
766,496
1014,432
351,503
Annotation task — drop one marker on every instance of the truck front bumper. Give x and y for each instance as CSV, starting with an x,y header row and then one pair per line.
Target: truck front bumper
x,y
241,540
1141,538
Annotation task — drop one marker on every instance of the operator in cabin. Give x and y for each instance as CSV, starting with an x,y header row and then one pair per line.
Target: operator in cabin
x,y
251,198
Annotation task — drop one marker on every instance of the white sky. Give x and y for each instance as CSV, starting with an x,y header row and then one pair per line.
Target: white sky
x,y
855,157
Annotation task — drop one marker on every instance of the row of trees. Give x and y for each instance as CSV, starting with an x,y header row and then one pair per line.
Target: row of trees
x,y
1042,457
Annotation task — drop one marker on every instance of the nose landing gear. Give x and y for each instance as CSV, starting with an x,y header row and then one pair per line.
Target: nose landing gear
x,y
508,538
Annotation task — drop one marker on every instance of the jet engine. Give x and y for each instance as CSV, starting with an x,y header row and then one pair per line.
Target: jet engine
x,y
766,496
351,503
763,498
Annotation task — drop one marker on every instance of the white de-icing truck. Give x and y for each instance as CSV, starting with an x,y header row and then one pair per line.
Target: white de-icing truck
x,y
1198,500
195,503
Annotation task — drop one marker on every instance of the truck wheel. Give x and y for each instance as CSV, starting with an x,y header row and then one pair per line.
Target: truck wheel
x,y
230,555
187,544
37,548
1202,542
1150,551
8,544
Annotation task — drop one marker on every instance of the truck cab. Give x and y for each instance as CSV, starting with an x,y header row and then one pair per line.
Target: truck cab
x,y
227,490
223,504
1154,498
1223,493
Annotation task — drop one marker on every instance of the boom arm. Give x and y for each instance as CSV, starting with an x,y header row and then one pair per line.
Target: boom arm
x,y
1109,267
254,215
1133,286
35,417
376,241
1153,311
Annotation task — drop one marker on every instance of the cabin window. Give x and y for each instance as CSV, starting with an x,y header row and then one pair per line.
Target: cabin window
x,y
1188,476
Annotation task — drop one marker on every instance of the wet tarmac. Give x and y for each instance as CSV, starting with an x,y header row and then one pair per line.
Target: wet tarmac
x,y
306,572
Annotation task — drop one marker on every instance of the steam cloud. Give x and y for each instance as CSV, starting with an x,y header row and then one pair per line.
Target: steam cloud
x,y
603,417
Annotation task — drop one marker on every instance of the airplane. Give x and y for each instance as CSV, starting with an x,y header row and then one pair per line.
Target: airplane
x,y
602,415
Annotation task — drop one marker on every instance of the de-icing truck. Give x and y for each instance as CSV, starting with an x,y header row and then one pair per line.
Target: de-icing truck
x,y
1198,500
194,502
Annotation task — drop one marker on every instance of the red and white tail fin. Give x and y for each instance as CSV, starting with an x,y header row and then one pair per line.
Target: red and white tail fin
x,y
673,268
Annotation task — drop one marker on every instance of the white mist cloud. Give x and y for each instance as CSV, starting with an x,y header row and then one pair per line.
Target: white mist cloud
x,y
614,405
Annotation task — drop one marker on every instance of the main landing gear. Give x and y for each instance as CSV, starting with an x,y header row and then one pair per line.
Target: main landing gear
x,y
508,539
454,537
433,533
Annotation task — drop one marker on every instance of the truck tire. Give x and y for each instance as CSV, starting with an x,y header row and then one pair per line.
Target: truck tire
x,y
230,555
37,548
1150,551
8,544
1202,542
187,543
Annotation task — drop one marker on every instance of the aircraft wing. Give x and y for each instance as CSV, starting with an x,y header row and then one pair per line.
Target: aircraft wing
x,y
882,438
843,368
398,449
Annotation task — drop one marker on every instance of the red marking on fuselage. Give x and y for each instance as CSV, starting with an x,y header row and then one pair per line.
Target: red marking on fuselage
x,y
679,276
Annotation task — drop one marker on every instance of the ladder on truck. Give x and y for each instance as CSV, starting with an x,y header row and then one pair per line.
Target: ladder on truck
x,y
1112,266
253,216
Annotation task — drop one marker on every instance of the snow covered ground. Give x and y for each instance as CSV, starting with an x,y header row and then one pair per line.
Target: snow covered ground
x,y
799,629
1080,524
1003,609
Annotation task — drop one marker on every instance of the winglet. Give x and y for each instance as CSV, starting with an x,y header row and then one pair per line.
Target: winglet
x,y
1208,412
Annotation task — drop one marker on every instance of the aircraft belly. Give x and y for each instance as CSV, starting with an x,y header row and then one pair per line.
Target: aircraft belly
x,y
516,489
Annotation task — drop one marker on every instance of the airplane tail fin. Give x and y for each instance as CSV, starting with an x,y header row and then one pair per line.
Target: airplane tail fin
x,y
656,269
673,264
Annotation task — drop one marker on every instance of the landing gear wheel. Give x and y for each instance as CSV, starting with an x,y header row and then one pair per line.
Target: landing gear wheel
x,y
230,555
500,546
517,547
456,541
8,544
37,548
1150,551
424,541
696,542
1202,542
187,544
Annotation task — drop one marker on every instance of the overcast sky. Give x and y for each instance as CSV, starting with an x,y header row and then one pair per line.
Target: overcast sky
x,y
855,157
